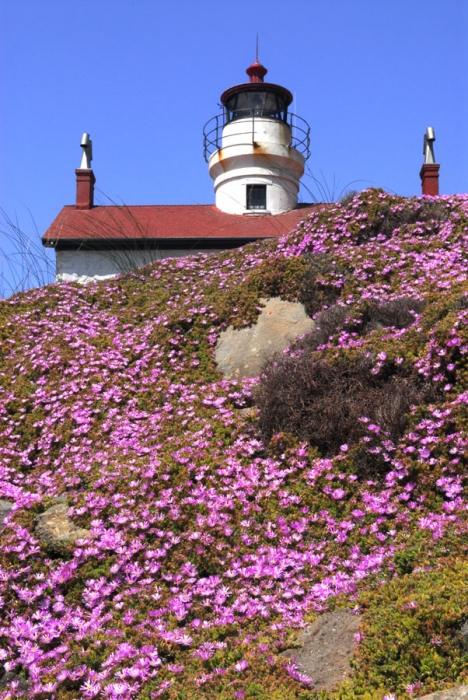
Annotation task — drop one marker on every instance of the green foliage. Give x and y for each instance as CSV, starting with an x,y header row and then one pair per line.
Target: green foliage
x,y
411,633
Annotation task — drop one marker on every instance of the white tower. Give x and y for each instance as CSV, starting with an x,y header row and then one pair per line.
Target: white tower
x,y
255,149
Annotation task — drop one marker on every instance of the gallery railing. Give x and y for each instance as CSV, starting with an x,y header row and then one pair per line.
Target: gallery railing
x,y
213,132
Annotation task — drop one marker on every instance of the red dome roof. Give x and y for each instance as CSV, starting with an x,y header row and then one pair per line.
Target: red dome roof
x,y
256,72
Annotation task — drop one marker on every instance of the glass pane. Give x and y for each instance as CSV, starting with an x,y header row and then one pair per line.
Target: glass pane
x,y
255,103
242,108
271,106
256,196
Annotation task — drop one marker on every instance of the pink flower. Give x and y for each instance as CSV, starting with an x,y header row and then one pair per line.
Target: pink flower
x,y
411,687
240,666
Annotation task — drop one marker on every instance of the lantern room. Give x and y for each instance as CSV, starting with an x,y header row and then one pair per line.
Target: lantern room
x,y
256,149
256,98
256,103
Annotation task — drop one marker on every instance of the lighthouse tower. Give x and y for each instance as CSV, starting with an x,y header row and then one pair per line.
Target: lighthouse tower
x,y
256,149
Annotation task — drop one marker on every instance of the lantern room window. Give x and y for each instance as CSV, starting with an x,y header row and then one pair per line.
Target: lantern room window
x,y
256,103
256,196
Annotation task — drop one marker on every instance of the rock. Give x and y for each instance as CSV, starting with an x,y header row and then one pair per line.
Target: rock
x,y
326,647
7,677
242,353
464,633
459,692
55,528
59,499
247,412
5,508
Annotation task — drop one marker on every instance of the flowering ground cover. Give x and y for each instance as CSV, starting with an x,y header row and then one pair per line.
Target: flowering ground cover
x,y
213,539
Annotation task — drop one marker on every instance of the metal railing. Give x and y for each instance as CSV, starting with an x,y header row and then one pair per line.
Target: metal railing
x,y
213,132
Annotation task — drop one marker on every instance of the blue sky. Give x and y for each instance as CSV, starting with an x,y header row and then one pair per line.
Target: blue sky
x,y
143,76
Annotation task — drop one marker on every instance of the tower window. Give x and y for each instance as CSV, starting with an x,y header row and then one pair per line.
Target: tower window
x,y
256,196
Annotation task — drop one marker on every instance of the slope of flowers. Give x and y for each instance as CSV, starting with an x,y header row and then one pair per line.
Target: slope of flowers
x,y
208,548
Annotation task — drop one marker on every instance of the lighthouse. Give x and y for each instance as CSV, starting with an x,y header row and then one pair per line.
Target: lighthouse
x,y
256,149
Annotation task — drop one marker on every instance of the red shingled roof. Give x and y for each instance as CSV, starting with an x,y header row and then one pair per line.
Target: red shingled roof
x,y
167,222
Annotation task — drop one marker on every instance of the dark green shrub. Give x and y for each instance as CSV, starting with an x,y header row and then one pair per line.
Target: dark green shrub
x,y
390,216
316,286
322,401
398,313
348,197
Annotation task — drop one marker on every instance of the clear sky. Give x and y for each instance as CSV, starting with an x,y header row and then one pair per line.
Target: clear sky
x,y
143,76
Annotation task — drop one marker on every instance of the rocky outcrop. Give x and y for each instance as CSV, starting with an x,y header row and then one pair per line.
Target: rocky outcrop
x,y
459,692
325,648
55,528
242,353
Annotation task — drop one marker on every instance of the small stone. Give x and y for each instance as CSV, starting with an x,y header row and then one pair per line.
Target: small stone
x,y
55,528
248,411
8,677
464,632
5,508
326,647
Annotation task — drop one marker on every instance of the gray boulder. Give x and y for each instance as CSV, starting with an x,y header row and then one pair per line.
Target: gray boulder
x,y
242,353
459,692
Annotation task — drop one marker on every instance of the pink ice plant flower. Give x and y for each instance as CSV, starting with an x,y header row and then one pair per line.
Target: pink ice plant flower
x,y
118,418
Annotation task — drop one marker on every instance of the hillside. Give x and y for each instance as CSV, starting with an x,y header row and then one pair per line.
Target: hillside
x,y
215,518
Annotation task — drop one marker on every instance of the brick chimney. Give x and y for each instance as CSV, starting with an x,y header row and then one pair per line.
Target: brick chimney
x,y
430,170
430,179
84,188
85,177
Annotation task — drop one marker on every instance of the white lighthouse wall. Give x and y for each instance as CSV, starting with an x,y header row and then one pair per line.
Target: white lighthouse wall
x,y
256,129
256,151
91,265
231,194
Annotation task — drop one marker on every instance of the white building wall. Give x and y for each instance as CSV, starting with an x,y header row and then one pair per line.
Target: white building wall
x,y
91,265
